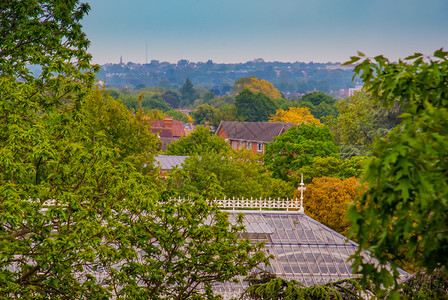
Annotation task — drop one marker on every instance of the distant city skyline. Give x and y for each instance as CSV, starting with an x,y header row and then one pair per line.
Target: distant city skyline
x,y
234,31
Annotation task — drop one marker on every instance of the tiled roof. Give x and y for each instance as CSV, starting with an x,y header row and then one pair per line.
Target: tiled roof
x,y
167,128
178,129
253,131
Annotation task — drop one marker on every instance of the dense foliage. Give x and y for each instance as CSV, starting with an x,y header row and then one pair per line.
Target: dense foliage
x,y
404,212
297,148
327,200
238,174
295,115
320,104
83,213
47,34
206,114
85,167
280,288
188,93
256,86
177,251
201,140
360,120
254,107
330,167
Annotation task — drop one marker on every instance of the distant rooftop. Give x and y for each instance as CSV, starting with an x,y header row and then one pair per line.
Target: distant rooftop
x,y
168,162
253,131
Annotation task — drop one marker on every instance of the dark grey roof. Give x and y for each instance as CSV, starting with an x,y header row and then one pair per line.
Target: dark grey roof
x,y
168,162
253,131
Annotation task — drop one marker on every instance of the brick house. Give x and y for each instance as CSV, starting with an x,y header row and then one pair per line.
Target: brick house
x,y
252,136
168,130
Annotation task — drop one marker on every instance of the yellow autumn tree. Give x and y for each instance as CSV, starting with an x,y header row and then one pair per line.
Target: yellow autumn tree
x,y
256,85
327,198
296,115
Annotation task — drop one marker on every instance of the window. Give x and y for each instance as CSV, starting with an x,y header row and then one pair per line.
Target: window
x,y
241,145
259,147
249,145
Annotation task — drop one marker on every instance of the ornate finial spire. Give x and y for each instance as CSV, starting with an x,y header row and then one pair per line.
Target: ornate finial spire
x,y
301,188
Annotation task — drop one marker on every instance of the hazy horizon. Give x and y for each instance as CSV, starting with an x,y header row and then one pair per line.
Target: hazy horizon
x,y
238,31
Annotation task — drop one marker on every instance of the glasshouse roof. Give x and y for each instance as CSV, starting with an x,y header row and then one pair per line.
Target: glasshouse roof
x,y
303,249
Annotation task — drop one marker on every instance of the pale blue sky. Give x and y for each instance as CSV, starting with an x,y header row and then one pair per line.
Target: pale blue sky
x,y
227,31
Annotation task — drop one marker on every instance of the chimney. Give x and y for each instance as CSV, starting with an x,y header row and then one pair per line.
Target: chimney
x,y
168,122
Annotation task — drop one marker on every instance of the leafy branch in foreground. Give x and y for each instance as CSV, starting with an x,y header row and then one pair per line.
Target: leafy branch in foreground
x,y
423,286
279,288
404,213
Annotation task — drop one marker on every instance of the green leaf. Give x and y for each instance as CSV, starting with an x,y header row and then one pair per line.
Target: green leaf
x,y
414,56
440,54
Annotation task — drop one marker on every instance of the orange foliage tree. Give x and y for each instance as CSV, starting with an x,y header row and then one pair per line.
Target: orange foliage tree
x,y
296,115
256,85
327,198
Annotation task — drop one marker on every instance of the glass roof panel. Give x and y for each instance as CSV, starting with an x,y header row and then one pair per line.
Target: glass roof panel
x,y
254,223
304,249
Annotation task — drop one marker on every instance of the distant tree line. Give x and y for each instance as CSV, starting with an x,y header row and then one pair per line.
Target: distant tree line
x,y
295,77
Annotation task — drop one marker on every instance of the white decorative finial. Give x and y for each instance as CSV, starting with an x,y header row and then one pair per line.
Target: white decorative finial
x,y
301,188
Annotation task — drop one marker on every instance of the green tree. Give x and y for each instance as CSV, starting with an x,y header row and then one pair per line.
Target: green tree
x,y
360,120
46,34
140,86
108,118
254,107
330,167
222,101
205,113
171,99
229,113
303,87
70,154
267,288
325,109
321,167
75,196
353,167
317,98
238,173
180,116
155,102
321,105
130,101
297,148
41,157
201,140
153,114
188,93
208,96
180,245
404,212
